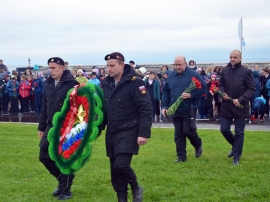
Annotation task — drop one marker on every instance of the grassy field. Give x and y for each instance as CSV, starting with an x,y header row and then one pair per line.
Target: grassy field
x,y
211,177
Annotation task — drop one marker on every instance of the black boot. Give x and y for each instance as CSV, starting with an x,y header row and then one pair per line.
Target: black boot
x,y
122,196
137,194
66,193
58,191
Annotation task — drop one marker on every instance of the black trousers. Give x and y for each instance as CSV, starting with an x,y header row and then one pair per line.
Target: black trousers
x,y
50,164
267,104
5,101
122,174
13,104
183,130
25,104
237,140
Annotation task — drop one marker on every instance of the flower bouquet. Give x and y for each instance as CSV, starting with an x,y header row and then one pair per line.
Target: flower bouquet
x,y
214,89
195,84
75,128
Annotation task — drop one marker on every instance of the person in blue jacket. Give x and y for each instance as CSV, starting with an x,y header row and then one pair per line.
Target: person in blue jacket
x,y
38,89
185,115
12,88
258,107
5,96
94,80
152,85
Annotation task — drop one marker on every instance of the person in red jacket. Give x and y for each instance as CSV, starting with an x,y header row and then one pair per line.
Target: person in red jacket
x,y
31,97
24,91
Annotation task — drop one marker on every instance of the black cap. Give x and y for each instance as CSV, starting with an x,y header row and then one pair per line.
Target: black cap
x,y
115,55
56,60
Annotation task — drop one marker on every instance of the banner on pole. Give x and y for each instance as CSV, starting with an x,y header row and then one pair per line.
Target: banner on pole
x,y
240,33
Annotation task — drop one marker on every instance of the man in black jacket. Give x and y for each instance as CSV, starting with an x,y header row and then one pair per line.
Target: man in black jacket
x,y
128,119
236,82
56,88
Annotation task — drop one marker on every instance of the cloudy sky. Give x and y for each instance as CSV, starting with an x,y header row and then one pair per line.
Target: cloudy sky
x,y
146,31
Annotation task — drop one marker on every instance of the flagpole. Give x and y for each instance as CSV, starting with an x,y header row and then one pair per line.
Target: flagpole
x,y
241,28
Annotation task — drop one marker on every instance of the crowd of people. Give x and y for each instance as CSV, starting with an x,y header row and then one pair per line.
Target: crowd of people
x,y
27,88
133,97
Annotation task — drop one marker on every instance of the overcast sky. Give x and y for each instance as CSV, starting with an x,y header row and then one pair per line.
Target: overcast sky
x,y
146,31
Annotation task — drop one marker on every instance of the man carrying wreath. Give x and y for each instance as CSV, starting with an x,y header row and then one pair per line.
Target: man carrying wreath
x,y
56,88
184,114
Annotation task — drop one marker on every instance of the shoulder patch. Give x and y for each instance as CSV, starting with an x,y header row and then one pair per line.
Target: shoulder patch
x,y
133,78
142,90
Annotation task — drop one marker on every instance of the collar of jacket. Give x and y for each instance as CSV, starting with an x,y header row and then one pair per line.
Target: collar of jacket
x,y
183,73
128,73
66,76
236,65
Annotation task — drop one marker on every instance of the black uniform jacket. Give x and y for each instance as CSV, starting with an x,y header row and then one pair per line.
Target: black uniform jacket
x,y
128,113
239,84
53,99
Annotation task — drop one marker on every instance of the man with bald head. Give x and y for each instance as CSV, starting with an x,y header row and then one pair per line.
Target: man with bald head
x,y
236,82
184,117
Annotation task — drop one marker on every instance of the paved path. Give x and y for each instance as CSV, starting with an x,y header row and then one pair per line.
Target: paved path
x,y
158,123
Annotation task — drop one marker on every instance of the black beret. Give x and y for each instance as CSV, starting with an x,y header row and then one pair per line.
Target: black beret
x,y
116,56
56,60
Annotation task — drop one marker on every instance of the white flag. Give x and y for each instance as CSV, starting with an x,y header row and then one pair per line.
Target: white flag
x,y
240,33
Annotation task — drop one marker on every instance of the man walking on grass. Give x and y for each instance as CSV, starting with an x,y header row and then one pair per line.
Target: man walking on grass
x,y
236,82
184,117
128,119
56,88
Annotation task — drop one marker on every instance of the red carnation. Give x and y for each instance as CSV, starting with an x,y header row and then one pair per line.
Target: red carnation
x,y
66,154
197,83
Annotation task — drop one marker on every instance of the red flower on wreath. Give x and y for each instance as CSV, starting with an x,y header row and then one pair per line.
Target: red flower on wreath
x,y
197,83
66,154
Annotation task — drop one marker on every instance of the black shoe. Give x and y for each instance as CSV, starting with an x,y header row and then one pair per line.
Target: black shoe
x,y
58,191
235,162
198,152
66,193
137,194
122,196
230,154
180,160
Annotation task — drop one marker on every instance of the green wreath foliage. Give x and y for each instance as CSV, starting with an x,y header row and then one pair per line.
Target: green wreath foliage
x,y
77,160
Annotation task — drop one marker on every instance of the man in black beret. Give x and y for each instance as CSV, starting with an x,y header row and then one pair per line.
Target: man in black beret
x,y
133,65
56,88
128,118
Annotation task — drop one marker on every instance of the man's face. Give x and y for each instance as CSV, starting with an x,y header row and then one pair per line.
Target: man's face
x,y
264,73
1,62
256,67
74,73
235,57
114,68
131,64
152,76
179,65
56,71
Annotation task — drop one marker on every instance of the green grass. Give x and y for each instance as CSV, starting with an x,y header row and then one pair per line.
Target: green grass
x,y
211,177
